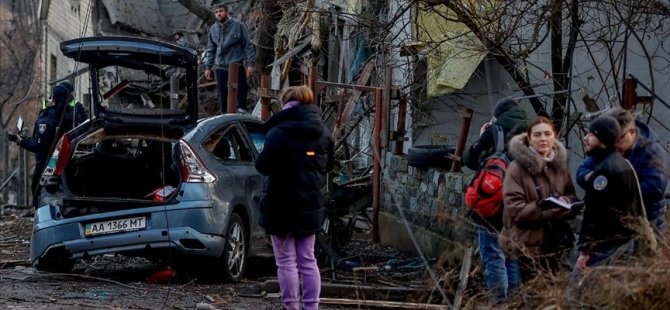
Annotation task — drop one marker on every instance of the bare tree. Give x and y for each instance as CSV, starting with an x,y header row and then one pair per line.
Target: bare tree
x,y
512,30
20,33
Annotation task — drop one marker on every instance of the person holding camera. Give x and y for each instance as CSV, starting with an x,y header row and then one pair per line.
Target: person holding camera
x,y
45,132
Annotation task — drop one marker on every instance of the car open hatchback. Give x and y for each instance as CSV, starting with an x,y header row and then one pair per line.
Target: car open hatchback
x,y
145,177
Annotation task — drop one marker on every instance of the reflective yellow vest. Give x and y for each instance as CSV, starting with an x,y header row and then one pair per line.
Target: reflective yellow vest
x,y
45,103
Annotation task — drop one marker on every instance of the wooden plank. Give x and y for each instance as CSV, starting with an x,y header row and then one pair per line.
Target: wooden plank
x,y
355,95
463,278
380,304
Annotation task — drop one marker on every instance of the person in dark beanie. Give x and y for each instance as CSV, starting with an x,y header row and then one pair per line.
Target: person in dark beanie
x,y
642,147
512,120
296,157
611,198
47,130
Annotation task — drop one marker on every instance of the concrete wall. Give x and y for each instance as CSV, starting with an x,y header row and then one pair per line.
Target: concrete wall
x,y
426,204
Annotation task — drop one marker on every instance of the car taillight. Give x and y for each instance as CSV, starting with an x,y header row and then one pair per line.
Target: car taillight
x,y
57,163
191,167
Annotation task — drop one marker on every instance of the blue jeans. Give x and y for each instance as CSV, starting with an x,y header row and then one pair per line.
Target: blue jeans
x,y
658,224
222,88
603,256
501,274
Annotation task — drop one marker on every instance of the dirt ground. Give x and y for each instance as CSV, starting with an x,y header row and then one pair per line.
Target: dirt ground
x,y
117,282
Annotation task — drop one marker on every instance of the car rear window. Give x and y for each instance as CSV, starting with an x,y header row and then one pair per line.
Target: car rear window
x,y
146,89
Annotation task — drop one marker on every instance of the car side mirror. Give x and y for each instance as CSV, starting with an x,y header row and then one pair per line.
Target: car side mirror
x,y
19,124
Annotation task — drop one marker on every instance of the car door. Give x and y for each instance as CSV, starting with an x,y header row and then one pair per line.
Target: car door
x,y
254,133
239,183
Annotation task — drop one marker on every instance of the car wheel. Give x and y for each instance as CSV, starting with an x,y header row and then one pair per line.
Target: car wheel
x,y
235,249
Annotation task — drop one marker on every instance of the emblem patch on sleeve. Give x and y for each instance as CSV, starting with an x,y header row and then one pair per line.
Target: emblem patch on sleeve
x,y
43,128
600,183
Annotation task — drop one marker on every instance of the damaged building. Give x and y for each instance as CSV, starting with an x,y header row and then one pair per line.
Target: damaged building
x,y
397,82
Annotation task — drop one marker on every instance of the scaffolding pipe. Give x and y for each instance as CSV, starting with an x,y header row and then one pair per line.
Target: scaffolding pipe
x,y
265,101
232,88
399,135
377,165
462,138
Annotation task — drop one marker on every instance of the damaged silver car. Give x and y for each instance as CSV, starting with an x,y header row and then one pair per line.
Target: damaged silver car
x,y
145,177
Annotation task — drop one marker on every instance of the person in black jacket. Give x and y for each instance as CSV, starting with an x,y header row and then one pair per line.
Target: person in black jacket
x,y
611,197
298,153
499,273
48,128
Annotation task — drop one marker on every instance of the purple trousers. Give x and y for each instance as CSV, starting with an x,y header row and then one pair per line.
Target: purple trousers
x,y
295,259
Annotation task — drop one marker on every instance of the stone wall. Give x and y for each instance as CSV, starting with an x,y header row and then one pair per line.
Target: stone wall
x,y
426,202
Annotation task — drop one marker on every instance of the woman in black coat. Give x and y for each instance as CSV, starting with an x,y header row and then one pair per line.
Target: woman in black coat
x,y
296,157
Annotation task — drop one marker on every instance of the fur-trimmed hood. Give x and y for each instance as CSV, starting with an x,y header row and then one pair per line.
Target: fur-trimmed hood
x,y
520,151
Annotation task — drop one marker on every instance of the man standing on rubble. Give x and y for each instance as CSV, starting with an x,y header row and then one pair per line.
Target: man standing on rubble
x,y
228,42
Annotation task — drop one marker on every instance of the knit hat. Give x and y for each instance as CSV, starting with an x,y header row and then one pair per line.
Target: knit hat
x,y
60,94
606,129
67,85
503,105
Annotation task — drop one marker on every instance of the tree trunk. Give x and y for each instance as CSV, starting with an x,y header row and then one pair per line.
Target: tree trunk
x,y
199,10
270,16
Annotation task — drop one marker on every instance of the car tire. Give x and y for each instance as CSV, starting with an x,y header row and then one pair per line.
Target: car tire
x,y
424,156
234,257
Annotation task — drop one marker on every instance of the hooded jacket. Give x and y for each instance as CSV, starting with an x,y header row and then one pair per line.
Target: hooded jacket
x,y
512,122
528,179
651,162
227,43
298,153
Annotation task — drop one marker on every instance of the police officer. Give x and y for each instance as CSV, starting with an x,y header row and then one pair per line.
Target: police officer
x,y
611,196
72,103
44,133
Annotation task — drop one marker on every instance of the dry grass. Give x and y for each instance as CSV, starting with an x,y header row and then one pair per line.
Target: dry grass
x,y
640,283
643,284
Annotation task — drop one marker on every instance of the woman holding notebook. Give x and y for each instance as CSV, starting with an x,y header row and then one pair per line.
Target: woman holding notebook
x,y
535,232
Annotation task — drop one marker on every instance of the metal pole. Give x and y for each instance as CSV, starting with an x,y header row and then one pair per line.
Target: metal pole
x,y
4,148
399,136
377,165
265,101
462,138
233,70
386,108
19,185
629,94
174,91
27,190
313,74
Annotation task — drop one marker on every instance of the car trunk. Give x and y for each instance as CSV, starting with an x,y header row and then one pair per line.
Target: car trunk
x,y
124,164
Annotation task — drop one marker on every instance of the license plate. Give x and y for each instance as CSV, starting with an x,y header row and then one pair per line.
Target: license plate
x,y
115,226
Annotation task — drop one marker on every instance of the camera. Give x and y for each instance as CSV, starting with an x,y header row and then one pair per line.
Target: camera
x,y
12,137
